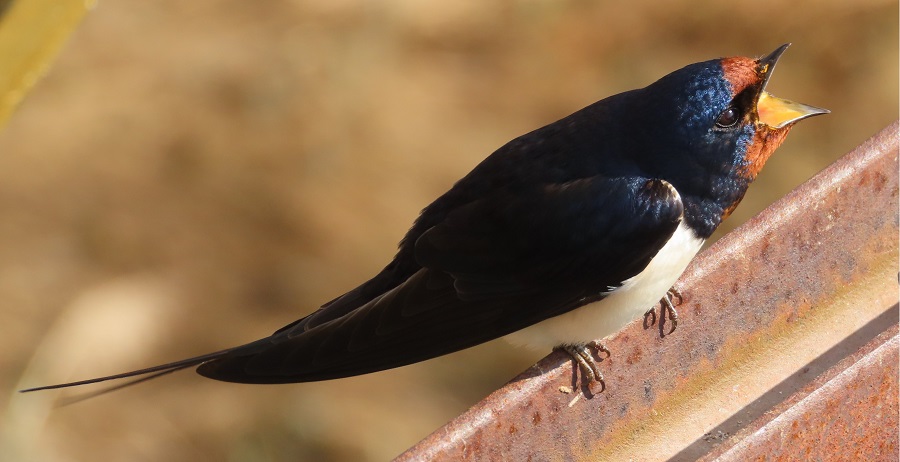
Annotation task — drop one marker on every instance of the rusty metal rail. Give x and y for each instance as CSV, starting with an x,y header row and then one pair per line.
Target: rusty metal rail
x,y
787,348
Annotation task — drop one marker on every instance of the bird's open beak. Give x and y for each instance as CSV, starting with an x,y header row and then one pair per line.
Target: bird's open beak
x,y
776,112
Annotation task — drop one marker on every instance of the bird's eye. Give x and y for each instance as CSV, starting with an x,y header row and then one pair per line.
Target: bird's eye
x,y
728,118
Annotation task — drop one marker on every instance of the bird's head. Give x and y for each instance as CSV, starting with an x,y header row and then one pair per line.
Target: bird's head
x,y
721,106
715,116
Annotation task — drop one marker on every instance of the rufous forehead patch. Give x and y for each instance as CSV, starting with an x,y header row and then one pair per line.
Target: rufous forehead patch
x,y
741,72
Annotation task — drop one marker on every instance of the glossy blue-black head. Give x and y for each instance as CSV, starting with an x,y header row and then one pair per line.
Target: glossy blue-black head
x,y
709,128
718,111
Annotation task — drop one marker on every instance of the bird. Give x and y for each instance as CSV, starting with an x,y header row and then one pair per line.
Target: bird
x,y
560,237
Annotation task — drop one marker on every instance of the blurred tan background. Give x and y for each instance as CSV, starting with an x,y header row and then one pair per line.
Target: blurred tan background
x,y
194,175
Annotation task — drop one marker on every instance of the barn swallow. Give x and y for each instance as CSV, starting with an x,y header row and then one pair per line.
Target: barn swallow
x,y
560,237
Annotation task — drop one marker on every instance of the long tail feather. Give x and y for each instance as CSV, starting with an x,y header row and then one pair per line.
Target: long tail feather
x,y
156,371
85,396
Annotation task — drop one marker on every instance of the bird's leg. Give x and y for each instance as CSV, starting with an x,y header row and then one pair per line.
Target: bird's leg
x,y
601,348
582,355
670,307
651,314
666,306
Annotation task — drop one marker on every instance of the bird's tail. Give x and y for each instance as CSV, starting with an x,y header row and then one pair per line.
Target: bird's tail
x,y
138,376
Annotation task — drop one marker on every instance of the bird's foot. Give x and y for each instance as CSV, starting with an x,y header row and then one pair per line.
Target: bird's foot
x,y
666,306
669,306
586,362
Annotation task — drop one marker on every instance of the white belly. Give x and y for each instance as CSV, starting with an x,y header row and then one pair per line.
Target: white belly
x,y
624,304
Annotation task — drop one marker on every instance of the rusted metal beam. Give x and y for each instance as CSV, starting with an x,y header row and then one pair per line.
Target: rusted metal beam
x,y
787,339
849,414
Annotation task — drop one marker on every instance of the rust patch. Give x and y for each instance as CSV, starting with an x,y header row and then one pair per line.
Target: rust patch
x,y
850,413
634,357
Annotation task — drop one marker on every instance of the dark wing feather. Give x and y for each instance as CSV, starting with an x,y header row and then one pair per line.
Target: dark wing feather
x,y
492,266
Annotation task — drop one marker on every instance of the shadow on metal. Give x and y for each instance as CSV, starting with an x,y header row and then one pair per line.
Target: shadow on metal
x,y
828,365
787,347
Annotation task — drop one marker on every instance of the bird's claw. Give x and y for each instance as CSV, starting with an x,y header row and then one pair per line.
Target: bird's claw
x,y
651,313
667,306
586,362
601,348
670,307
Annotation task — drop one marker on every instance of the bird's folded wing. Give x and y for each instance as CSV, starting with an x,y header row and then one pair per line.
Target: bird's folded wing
x,y
493,266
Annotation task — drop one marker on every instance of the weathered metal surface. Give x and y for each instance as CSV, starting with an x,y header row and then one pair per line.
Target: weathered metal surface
x,y
783,301
851,416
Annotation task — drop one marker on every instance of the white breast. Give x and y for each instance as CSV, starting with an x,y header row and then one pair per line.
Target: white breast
x,y
624,304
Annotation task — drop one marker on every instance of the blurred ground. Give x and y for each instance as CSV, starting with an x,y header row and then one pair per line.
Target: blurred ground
x,y
192,175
